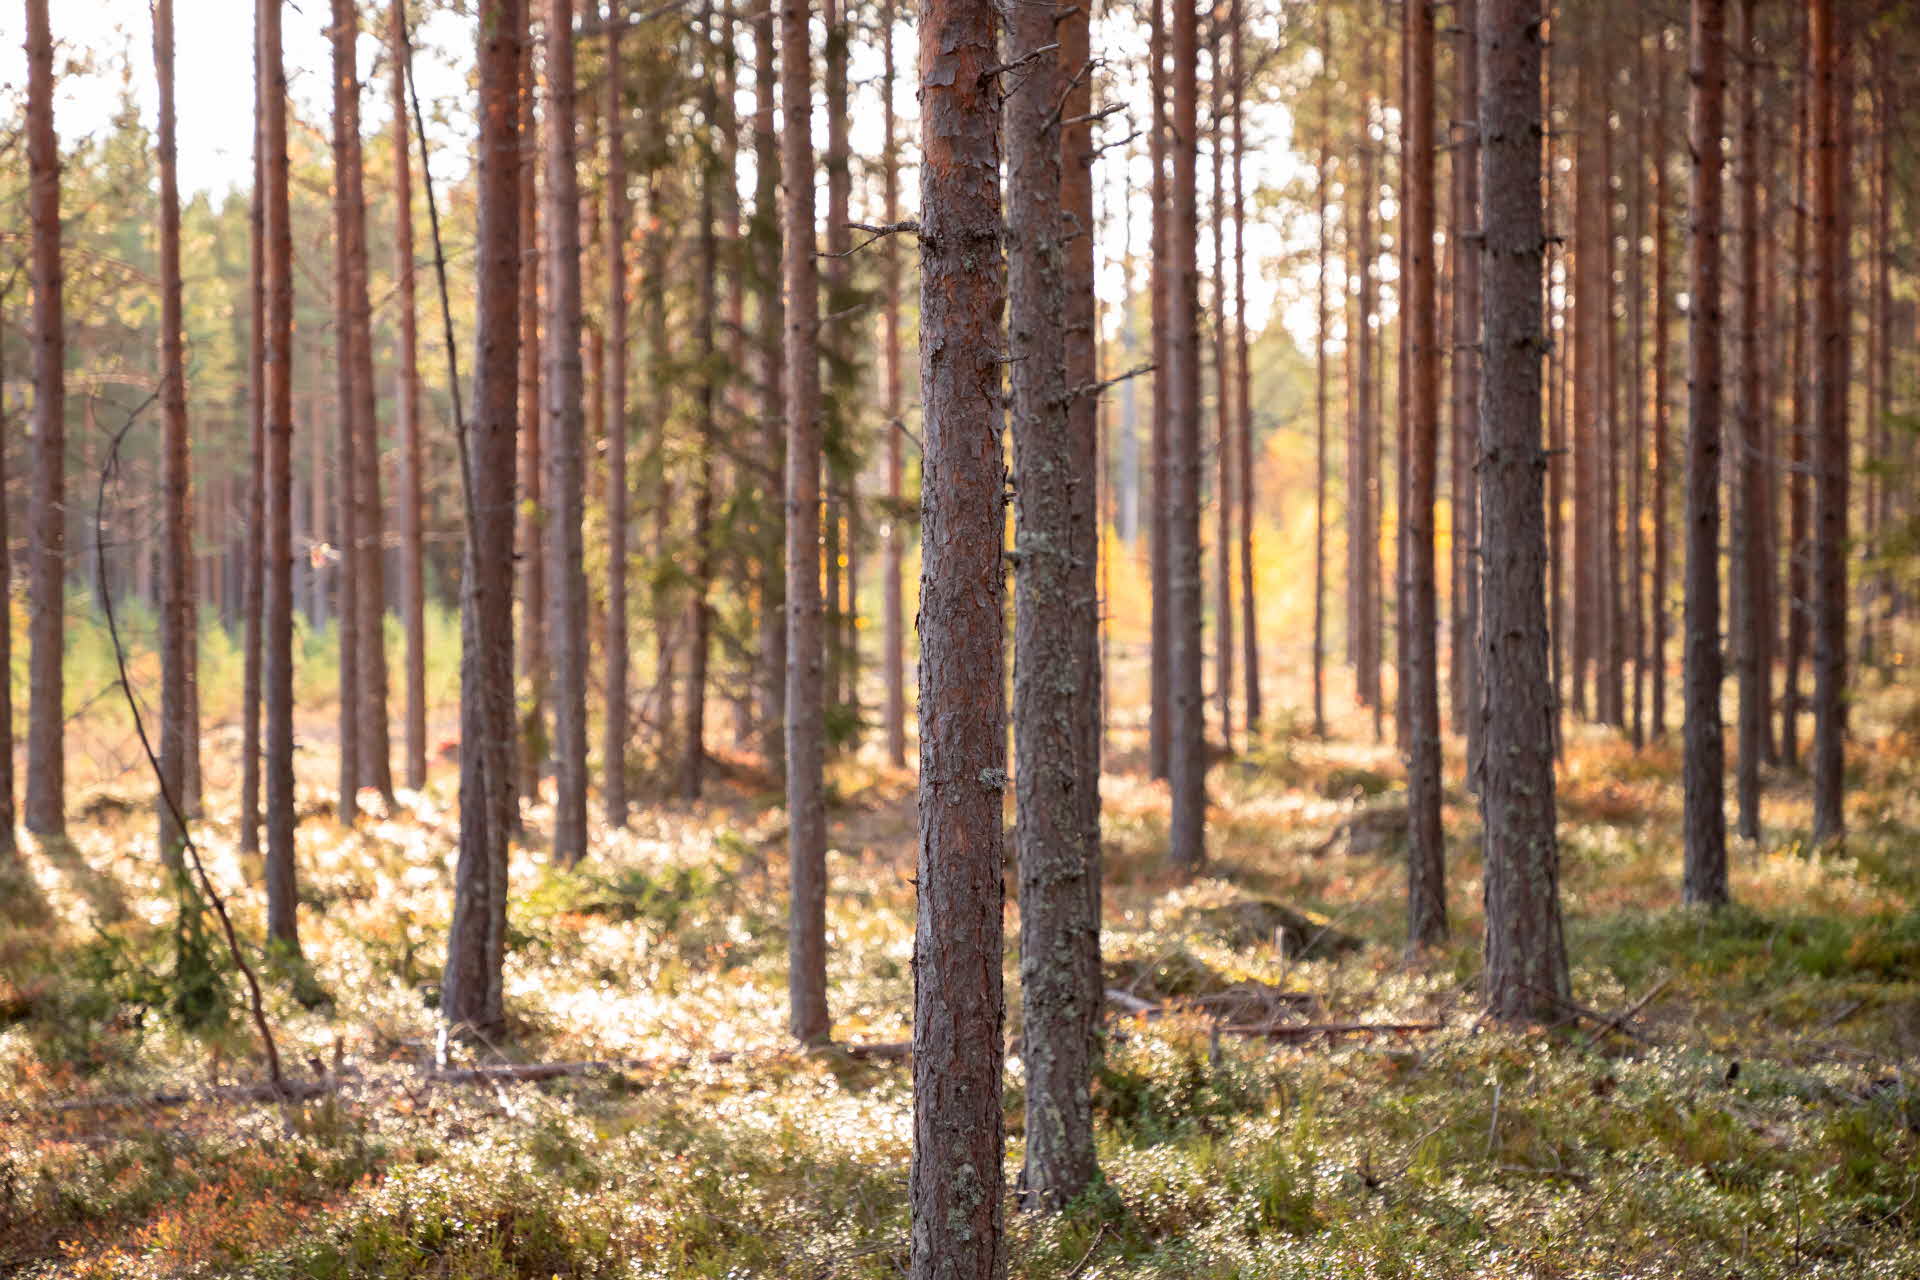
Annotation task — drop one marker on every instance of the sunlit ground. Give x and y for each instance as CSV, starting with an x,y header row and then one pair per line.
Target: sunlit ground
x,y
1756,1119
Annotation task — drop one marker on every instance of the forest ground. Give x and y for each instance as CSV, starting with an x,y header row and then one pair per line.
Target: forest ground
x,y
1734,1098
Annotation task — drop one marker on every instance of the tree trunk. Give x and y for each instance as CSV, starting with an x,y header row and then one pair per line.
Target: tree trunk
x,y
1186,739
176,611
476,937
1833,108
368,547
893,642
1705,782
808,1019
1223,540
565,378
766,254
46,810
842,468
1323,178
699,614
1363,509
1056,696
535,735
282,895
1160,646
346,470
958,1133
614,381
252,551
407,399
1526,963
1799,604
1426,853
1662,362
1465,370
1637,382
9,838
1747,546
1243,380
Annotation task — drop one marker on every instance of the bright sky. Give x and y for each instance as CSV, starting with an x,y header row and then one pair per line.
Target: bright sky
x,y
213,73
105,45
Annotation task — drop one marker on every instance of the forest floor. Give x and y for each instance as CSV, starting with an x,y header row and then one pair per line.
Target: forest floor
x,y
1734,1096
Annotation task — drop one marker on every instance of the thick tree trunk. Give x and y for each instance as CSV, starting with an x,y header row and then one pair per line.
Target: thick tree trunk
x,y
1705,783
1420,665
46,810
407,399
476,938
958,1014
1056,694
282,895
614,382
565,378
808,1019
1833,108
771,311
1526,973
1636,188
842,375
176,611
1186,739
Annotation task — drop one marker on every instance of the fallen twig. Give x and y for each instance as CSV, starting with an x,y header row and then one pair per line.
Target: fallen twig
x,y
1307,1030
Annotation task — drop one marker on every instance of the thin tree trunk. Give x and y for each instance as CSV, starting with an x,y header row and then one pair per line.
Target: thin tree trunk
x,y
282,895
46,809
842,648
177,630
1704,770
1323,178
1799,605
1833,107
1662,362
1363,518
476,937
9,816
1224,433
1526,955
1056,696
614,382
535,735
808,1019
1243,380
958,1133
1186,745
894,641
252,549
1746,543
346,404
375,753
1160,651
565,391
407,399
1465,369
699,614
1637,382
1426,853
766,255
